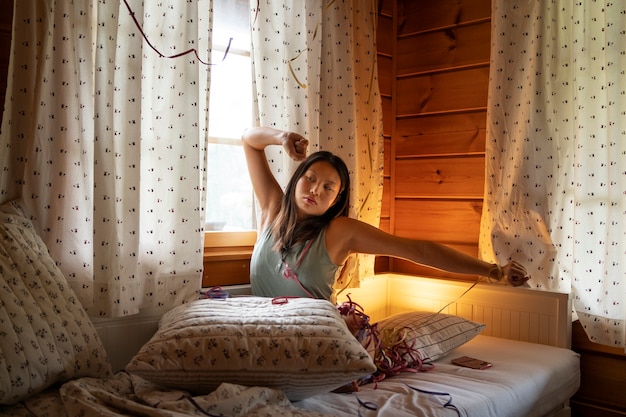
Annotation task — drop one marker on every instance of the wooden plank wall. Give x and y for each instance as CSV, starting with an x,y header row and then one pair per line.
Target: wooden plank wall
x,y
385,44
434,71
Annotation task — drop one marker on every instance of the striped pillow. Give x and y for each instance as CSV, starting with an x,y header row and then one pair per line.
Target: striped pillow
x,y
433,334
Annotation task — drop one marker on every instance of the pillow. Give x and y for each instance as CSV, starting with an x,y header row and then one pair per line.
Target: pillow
x,y
433,334
45,334
302,347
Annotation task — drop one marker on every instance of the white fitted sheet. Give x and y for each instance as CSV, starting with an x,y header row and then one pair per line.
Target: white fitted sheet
x,y
526,380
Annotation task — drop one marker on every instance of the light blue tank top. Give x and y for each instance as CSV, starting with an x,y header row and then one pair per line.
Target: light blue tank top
x,y
316,271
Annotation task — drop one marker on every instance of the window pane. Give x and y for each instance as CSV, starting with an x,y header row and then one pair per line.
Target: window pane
x,y
229,192
230,106
231,20
229,198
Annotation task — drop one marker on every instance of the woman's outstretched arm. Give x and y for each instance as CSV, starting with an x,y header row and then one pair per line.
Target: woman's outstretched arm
x,y
345,236
267,190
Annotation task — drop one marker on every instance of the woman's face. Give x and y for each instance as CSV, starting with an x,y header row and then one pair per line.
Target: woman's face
x,y
317,189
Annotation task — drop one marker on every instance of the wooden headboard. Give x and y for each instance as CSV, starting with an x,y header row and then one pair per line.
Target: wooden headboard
x,y
513,313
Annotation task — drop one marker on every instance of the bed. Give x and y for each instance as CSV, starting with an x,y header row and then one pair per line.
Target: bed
x,y
526,338
249,356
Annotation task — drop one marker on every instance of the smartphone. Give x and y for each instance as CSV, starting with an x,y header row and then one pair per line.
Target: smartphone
x,y
470,362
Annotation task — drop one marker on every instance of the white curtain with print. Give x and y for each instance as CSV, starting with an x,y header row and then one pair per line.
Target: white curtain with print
x,y
103,140
316,74
556,153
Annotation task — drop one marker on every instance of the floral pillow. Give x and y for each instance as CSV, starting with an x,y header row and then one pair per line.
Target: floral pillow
x,y
301,346
45,334
430,335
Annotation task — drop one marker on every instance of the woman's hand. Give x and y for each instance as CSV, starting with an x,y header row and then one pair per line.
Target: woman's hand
x,y
515,273
295,145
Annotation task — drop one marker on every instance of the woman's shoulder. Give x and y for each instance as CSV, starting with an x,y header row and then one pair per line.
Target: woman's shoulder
x,y
344,224
345,235
339,233
345,229
339,224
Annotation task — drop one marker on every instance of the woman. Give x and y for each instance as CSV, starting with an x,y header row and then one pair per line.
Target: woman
x,y
305,234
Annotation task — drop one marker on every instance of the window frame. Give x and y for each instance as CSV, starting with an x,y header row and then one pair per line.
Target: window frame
x,y
231,239
220,244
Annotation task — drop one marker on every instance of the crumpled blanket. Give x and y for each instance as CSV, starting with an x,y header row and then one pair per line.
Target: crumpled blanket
x,y
126,394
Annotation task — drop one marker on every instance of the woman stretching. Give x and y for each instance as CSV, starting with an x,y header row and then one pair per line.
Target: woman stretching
x,y
305,234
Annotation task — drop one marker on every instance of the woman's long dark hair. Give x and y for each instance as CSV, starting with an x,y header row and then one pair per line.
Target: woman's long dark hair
x,y
286,229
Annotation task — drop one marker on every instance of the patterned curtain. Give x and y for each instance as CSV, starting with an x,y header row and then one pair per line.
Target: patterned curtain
x,y
316,74
103,140
556,153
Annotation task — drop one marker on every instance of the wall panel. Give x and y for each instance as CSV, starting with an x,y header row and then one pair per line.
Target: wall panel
x,y
446,221
458,177
441,64
441,134
385,75
445,48
384,35
423,15
443,91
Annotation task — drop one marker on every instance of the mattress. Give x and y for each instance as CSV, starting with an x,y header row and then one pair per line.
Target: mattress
x,y
525,380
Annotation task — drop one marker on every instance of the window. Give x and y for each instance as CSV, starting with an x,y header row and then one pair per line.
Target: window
x,y
229,198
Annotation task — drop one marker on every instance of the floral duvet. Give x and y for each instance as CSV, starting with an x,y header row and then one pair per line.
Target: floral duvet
x,y
125,394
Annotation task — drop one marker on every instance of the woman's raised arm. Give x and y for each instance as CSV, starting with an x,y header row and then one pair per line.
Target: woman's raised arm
x,y
266,188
